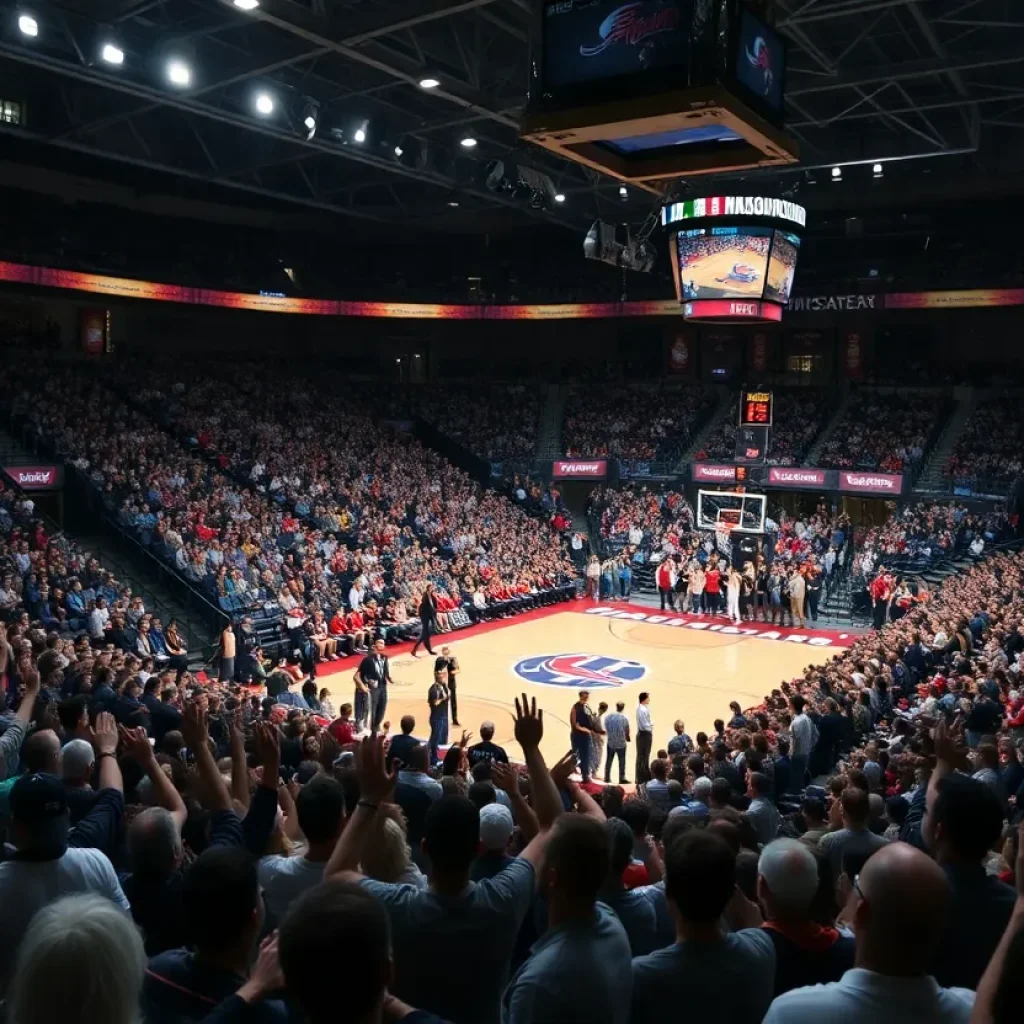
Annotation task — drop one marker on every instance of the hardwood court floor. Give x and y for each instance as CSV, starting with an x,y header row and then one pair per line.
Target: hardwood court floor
x,y
691,667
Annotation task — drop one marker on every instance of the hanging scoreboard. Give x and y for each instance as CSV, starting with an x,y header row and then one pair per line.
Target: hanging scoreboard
x,y
755,409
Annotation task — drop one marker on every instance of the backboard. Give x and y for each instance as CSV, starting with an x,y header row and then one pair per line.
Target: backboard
x,y
743,513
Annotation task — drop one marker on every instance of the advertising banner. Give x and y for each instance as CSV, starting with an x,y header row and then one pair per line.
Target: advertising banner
x,y
36,478
596,469
791,476
706,472
871,483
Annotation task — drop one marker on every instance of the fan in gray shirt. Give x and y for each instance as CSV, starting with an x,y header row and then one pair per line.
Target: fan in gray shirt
x,y
723,977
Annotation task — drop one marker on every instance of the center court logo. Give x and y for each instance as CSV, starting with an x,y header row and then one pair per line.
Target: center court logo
x,y
579,671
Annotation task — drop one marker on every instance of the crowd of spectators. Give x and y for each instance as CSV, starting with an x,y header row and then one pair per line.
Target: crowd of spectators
x,y
923,532
886,432
989,451
642,517
497,421
799,417
837,851
633,420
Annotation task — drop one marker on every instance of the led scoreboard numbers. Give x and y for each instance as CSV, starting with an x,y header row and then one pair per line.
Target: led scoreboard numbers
x,y
756,409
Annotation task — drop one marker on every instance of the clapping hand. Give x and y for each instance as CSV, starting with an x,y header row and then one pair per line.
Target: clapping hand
x,y
529,724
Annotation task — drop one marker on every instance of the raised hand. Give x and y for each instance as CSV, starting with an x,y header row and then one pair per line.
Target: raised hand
x,y
194,727
504,777
529,724
105,733
375,781
136,744
268,747
561,771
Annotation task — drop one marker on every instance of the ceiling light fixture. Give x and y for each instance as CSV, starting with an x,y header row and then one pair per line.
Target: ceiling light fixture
x,y
246,5
837,172
112,54
877,170
179,73
360,133
27,25
264,103
559,197
429,83
468,142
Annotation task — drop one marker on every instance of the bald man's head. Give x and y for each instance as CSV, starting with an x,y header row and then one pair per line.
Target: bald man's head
x,y
901,911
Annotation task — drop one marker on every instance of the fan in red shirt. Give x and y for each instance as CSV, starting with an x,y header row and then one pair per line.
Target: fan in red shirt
x,y
343,729
711,589
356,629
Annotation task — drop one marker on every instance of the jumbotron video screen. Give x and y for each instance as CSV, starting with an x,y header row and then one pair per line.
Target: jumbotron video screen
x,y
736,263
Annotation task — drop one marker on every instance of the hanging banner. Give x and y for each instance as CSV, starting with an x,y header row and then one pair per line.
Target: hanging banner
x,y
853,354
94,327
760,349
681,353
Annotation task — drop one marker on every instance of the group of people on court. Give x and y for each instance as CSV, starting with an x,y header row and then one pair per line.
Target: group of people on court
x,y
772,592
605,736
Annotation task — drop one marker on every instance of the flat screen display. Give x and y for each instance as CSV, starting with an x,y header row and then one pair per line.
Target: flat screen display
x,y
667,140
723,263
782,267
760,60
600,39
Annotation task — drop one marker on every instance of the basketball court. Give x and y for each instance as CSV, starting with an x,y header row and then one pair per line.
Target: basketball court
x,y
692,667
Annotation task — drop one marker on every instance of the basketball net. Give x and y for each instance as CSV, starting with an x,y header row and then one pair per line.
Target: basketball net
x,y
722,531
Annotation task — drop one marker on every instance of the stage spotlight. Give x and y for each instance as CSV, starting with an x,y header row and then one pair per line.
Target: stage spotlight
x,y
360,134
264,103
559,197
112,54
877,170
27,25
468,142
429,83
246,5
179,73
837,173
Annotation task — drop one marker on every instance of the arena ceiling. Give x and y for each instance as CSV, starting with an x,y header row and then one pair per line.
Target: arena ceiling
x,y
934,89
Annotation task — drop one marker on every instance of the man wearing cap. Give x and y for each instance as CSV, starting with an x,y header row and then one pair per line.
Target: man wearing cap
x,y
44,858
496,828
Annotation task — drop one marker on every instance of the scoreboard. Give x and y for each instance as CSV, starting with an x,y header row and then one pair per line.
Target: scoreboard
x,y
756,409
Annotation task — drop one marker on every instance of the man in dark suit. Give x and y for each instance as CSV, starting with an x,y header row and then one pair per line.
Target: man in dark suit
x,y
372,678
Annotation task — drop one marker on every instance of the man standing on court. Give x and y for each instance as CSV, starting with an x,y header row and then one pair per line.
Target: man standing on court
x,y
644,739
616,729
581,721
372,679
666,583
448,663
